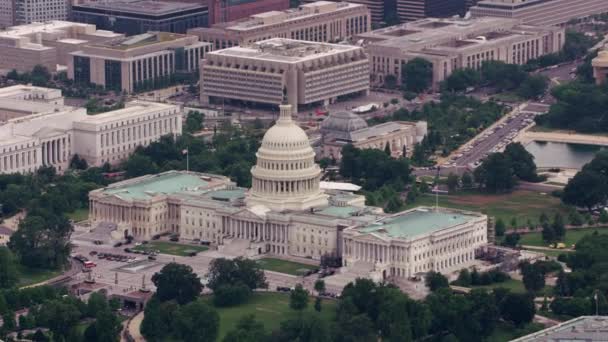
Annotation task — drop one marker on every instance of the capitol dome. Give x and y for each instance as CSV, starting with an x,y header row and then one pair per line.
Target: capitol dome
x,y
285,176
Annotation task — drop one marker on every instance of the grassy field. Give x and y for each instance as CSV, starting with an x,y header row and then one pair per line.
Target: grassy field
x,y
29,276
270,309
506,332
171,248
572,236
511,284
523,205
284,266
79,215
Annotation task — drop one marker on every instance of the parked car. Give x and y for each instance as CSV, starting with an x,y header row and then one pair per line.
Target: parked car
x,y
151,257
118,244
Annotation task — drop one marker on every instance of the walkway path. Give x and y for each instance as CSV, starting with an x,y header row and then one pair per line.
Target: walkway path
x,y
566,137
133,328
75,267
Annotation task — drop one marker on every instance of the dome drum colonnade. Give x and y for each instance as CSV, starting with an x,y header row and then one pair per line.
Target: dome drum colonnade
x,y
286,176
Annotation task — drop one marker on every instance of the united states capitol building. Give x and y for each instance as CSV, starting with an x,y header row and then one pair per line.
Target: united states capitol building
x,y
287,213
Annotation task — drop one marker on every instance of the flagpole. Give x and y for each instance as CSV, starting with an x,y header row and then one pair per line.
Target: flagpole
x,y
187,161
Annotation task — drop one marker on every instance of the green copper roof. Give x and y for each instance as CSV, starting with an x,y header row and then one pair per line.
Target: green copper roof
x,y
338,211
417,222
166,183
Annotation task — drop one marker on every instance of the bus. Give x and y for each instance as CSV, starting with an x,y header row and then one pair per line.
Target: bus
x,y
89,264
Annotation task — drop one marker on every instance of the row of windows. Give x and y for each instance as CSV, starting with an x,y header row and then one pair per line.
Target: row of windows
x,y
130,134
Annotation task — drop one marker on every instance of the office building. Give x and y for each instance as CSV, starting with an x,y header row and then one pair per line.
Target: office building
x,y
303,73
38,130
450,44
320,21
342,128
113,136
376,8
133,17
146,61
19,12
540,12
415,241
600,67
286,213
222,11
410,10
49,44
583,328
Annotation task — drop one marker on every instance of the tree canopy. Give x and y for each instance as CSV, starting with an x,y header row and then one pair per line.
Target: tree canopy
x,y
177,282
417,75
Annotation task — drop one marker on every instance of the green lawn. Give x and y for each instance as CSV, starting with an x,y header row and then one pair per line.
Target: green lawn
x,y
79,215
506,332
171,248
572,236
270,309
284,266
29,276
522,205
511,284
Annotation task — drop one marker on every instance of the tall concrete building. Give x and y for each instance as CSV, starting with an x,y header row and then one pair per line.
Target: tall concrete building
x,y
320,21
270,71
49,44
133,17
410,10
376,8
287,214
222,11
37,129
19,12
450,44
540,12
146,61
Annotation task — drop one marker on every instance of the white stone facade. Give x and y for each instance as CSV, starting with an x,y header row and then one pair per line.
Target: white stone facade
x,y
112,137
38,130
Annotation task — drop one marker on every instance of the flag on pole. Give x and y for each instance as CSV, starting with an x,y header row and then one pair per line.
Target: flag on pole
x,y
185,151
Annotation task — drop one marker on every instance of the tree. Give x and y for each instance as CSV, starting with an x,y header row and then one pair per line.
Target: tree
x,y
225,272
511,240
500,227
533,276
42,240
495,173
464,278
197,322
467,180
417,75
522,162
461,79
586,189
106,328
387,149
177,282
435,280
194,121
559,227
318,304
231,294
320,286
603,216
59,316
78,163
518,308
8,321
309,328
548,233
533,86
9,274
139,165
153,327
298,300
452,182
247,330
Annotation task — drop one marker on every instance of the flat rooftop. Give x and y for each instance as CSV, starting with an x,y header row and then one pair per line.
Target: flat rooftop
x,y
172,182
583,328
133,108
137,41
380,130
284,50
422,33
54,26
419,221
272,18
143,7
